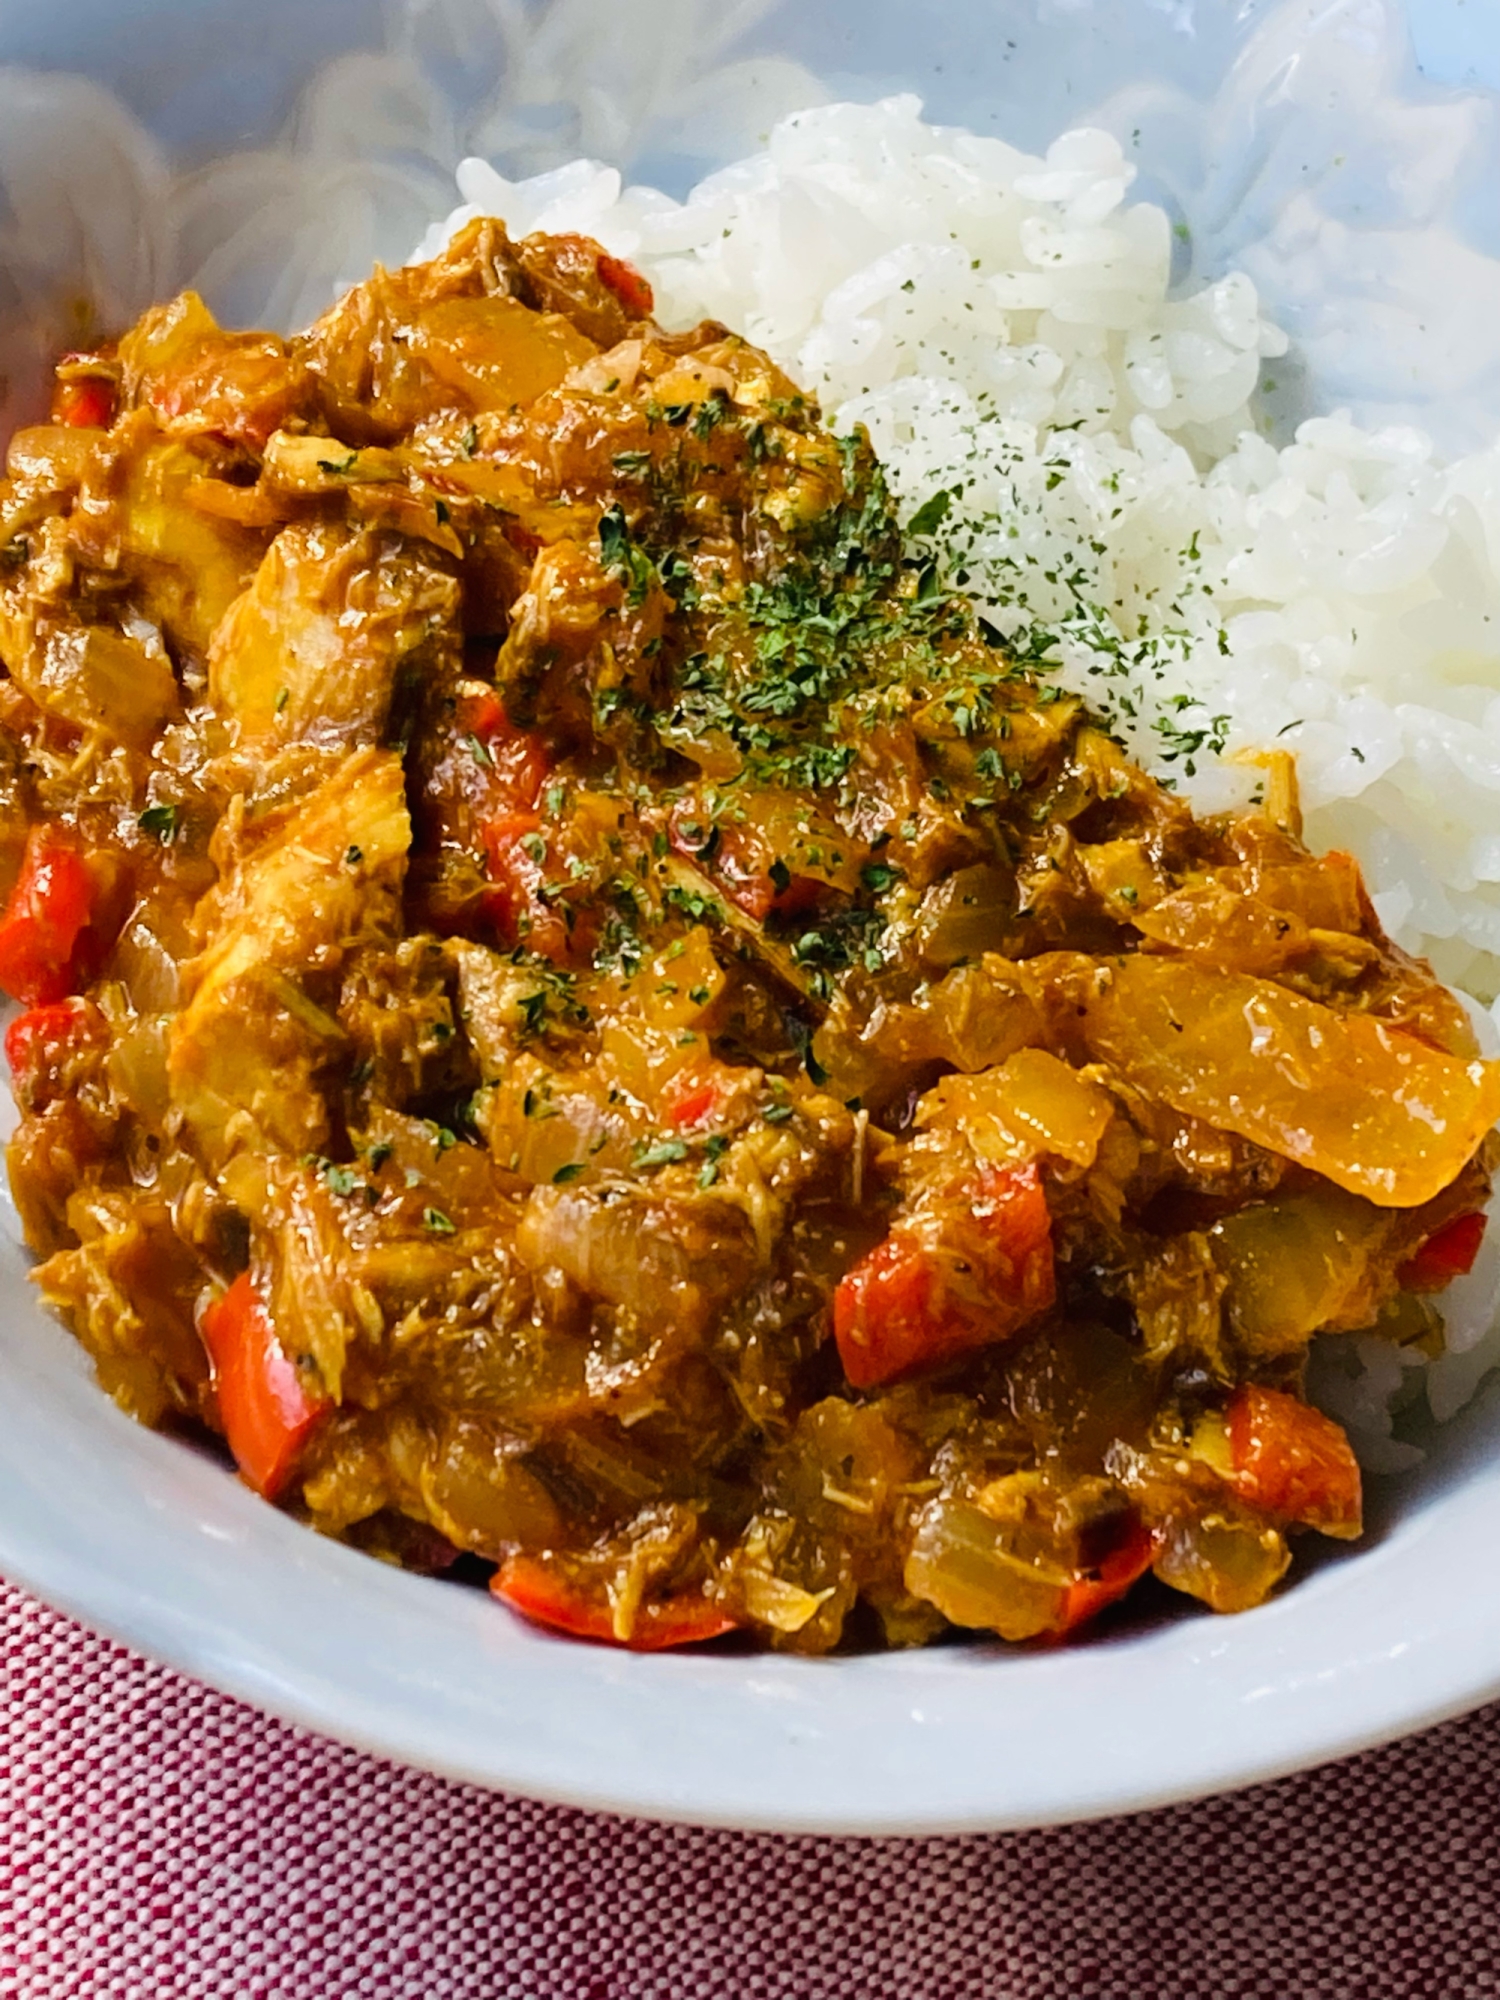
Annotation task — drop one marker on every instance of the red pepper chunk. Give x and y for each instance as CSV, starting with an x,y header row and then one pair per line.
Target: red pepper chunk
x,y
1288,1459
760,898
1447,1255
516,767
628,285
1116,1575
929,1294
86,403
735,860
43,931
698,1095
889,1315
517,757
521,537
695,1106
267,1414
42,1036
521,916
540,1592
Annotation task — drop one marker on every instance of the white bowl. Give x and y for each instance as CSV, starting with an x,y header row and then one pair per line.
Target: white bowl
x,y
1305,146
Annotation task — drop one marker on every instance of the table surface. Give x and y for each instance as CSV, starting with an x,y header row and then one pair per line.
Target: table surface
x,y
159,1842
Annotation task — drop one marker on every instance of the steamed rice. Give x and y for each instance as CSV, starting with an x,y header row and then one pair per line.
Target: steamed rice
x,y
1080,445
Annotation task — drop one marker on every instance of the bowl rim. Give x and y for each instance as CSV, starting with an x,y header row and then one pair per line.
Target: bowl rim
x,y
1362,1650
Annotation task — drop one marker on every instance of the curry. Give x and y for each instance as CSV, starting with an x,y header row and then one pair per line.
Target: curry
x,y
586,1016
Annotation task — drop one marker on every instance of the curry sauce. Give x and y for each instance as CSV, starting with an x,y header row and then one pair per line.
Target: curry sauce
x,y
586,1015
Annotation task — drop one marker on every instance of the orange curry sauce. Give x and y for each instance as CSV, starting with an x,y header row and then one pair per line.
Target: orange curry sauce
x,y
586,1017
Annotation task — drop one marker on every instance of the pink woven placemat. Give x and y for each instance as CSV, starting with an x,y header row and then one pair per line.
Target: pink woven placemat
x,y
158,1842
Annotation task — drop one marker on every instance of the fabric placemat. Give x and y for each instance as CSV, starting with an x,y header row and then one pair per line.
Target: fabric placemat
x,y
159,1842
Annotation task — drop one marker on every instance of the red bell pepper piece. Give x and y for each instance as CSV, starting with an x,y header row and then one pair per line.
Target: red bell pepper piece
x,y
890,1314
1446,1255
43,1035
760,898
267,1413
517,766
540,1592
736,862
691,1100
517,757
899,1308
1289,1459
516,907
696,1107
481,714
521,538
629,287
45,945
1117,1574
87,402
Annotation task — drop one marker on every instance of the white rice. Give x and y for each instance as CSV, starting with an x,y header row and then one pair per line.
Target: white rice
x,y
1007,329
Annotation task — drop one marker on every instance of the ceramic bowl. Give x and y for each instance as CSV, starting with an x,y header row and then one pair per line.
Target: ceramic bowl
x,y
269,154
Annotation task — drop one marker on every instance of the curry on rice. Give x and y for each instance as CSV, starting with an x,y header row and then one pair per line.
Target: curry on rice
x,y
585,1015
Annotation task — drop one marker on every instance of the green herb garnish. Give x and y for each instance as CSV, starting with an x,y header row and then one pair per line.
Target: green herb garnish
x,y
162,822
